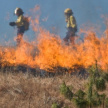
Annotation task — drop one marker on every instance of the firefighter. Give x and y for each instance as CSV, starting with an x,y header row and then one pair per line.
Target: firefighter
x,y
20,25
71,26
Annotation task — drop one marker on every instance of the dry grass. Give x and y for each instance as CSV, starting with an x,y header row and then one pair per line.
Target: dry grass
x,y
19,90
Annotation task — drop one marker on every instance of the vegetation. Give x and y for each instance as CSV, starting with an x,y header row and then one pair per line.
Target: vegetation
x,y
23,90
91,98
55,105
66,91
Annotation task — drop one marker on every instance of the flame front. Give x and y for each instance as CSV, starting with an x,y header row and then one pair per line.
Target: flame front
x,y
49,51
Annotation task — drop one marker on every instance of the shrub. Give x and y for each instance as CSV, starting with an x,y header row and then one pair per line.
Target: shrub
x,y
106,103
96,99
81,103
80,94
55,105
100,84
79,100
66,91
105,76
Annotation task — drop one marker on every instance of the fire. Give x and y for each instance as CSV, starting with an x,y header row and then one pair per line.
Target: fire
x,y
49,51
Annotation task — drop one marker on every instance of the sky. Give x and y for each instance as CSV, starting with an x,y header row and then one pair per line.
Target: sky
x,y
85,11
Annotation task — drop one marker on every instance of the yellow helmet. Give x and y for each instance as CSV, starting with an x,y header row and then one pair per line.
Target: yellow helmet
x,y
68,11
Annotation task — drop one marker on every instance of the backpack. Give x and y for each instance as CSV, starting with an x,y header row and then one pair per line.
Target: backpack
x,y
26,23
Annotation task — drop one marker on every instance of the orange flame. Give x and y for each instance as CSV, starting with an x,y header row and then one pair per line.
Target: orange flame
x,y
49,51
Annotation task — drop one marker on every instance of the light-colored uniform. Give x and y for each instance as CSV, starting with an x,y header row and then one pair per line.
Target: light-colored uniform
x,y
72,29
20,21
71,22
20,28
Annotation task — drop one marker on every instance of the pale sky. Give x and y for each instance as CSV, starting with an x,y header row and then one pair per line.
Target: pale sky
x,y
52,10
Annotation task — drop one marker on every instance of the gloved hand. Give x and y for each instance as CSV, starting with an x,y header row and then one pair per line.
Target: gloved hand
x,y
12,24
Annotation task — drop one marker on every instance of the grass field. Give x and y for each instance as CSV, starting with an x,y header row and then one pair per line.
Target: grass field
x,y
19,90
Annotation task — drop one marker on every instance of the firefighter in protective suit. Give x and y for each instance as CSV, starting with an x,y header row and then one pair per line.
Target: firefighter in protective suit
x,y
20,25
71,26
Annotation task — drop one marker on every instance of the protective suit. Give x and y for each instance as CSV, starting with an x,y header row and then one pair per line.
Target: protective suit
x,y
20,25
71,26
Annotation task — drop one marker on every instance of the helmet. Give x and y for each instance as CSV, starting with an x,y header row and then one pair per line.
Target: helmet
x,y
68,11
18,11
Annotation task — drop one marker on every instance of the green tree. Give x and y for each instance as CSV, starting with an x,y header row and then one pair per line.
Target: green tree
x,y
55,105
66,91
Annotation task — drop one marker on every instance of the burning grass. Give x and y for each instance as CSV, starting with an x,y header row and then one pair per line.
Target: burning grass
x,y
48,51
